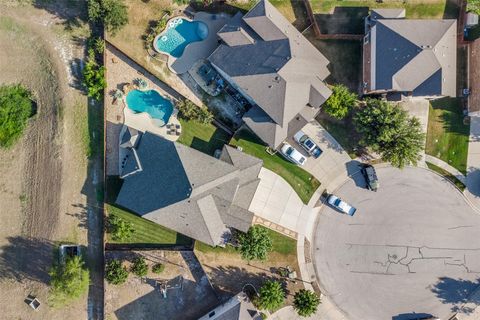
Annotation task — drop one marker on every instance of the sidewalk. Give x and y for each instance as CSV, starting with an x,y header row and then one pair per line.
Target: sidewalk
x,y
473,163
445,166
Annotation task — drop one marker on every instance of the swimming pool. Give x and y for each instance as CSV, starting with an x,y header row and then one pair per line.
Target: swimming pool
x,y
179,33
151,102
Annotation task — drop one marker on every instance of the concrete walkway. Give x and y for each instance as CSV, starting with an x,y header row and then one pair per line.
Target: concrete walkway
x,y
473,163
445,166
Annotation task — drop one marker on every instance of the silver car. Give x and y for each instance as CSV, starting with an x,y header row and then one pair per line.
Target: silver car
x,y
292,154
341,205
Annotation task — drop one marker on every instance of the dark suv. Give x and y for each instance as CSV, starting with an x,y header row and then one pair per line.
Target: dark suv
x,y
370,175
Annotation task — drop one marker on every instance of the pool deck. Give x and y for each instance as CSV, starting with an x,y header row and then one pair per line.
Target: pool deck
x,y
200,49
121,71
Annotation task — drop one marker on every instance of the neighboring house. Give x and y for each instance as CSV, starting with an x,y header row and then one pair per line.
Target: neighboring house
x,y
186,190
238,307
275,68
411,57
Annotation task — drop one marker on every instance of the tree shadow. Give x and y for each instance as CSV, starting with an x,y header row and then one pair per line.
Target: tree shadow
x,y
72,12
24,259
453,117
457,292
230,280
300,13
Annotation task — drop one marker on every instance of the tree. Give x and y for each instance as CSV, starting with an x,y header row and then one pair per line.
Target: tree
x,y
139,267
255,244
158,268
69,281
305,302
389,130
115,272
473,6
15,108
119,228
340,102
112,13
190,111
271,295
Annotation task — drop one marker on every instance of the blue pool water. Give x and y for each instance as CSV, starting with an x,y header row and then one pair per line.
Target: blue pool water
x,y
151,102
179,33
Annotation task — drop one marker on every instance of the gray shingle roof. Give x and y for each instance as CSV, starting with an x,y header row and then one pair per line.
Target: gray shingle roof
x,y
190,192
416,56
281,71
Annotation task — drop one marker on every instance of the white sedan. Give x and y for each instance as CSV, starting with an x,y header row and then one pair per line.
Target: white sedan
x,y
292,154
341,205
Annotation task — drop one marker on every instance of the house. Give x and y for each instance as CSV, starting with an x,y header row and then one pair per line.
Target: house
x,y
239,307
275,68
408,56
186,190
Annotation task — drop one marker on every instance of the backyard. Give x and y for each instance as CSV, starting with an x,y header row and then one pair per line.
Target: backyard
x,y
300,180
415,9
447,135
228,272
203,137
146,231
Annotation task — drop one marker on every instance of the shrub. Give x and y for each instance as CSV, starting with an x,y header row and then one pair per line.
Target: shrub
x,y
115,272
15,108
271,296
139,267
255,244
112,13
158,268
119,228
340,102
389,130
68,281
97,44
306,302
190,111
94,78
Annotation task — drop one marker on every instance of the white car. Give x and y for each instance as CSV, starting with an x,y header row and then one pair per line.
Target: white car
x,y
306,143
341,205
292,154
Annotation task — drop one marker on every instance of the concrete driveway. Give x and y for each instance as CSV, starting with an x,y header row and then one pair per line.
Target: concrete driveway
x,y
331,167
411,247
276,201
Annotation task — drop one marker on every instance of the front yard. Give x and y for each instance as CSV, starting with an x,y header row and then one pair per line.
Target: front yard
x,y
228,272
301,181
447,135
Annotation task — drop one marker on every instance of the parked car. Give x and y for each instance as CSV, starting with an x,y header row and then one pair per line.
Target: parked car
x,y
340,205
292,154
306,143
371,178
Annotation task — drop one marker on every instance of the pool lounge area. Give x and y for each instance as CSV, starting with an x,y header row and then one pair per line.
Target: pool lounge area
x,y
186,41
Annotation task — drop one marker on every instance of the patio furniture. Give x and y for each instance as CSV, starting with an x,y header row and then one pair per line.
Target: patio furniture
x,y
177,126
177,132
33,302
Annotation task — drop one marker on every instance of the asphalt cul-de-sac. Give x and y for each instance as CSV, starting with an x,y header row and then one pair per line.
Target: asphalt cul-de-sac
x,y
412,247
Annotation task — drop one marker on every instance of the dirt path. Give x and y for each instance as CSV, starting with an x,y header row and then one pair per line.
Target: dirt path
x,y
45,180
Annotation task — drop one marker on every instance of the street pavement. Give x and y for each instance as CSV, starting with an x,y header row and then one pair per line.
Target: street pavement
x,y
410,247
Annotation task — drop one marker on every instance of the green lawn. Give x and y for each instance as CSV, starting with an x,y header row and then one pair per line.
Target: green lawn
x,y
146,231
447,135
446,175
300,180
433,9
203,137
343,131
282,245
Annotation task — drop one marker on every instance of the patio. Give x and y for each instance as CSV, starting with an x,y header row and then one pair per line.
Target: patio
x,y
201,49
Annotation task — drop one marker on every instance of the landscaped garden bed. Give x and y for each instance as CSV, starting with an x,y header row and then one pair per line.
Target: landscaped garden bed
x,y
301,181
